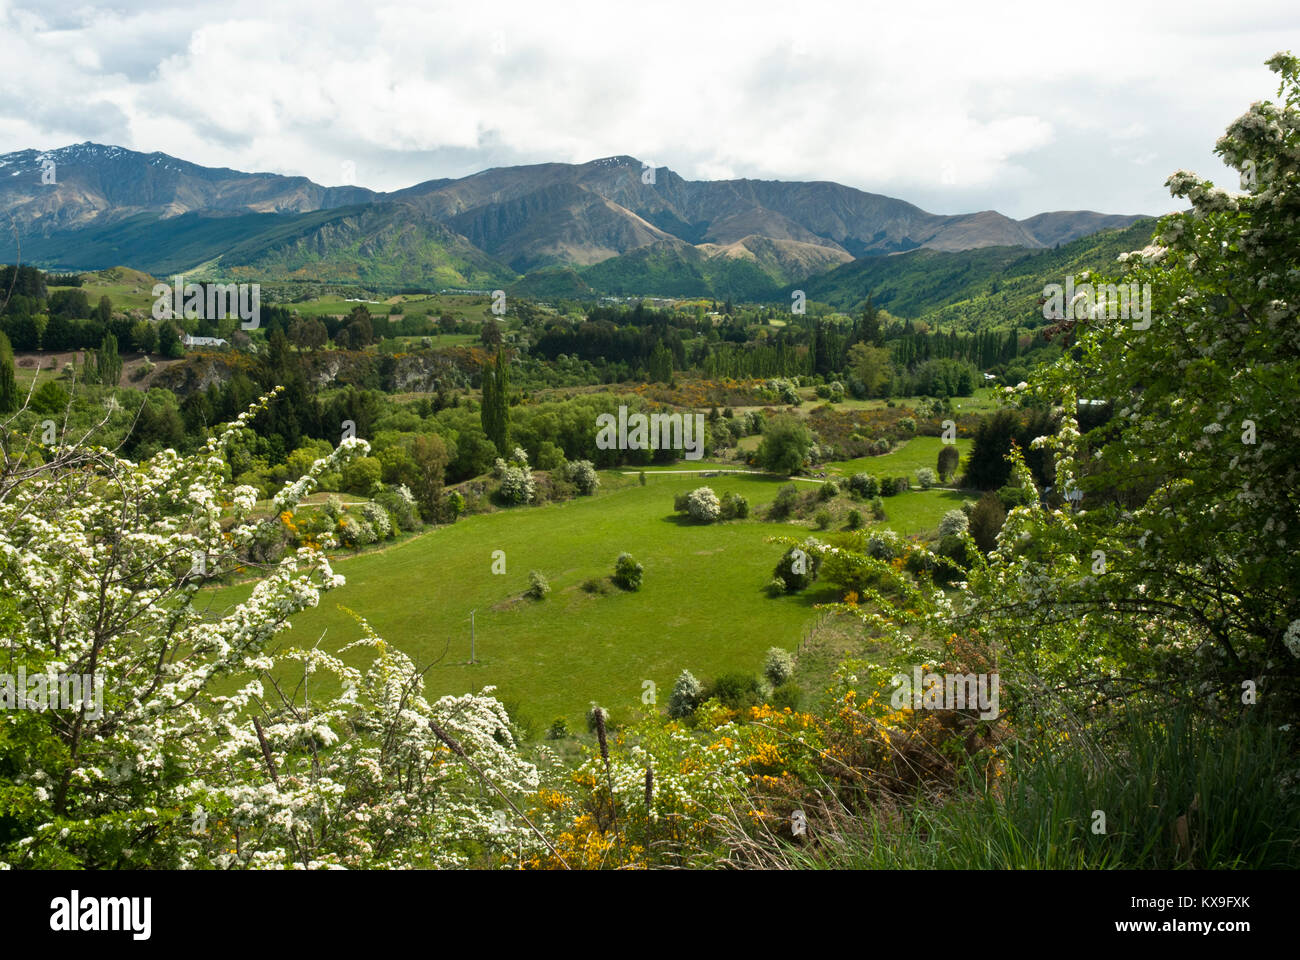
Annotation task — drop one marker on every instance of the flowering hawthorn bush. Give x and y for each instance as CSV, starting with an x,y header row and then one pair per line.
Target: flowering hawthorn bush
x,y
517,482
199,758
703,505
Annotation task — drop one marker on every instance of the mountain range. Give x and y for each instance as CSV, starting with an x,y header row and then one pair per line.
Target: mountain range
x,y
612,225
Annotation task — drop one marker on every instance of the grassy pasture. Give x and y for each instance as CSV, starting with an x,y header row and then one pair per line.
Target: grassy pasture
x,y
702,606
915,453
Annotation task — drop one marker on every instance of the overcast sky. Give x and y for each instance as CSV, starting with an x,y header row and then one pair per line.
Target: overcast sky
x,y
953,106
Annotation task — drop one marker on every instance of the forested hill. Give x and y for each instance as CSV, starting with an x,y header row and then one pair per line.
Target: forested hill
x,y
993,286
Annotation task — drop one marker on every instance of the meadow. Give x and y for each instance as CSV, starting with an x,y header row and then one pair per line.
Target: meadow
x,y
702,606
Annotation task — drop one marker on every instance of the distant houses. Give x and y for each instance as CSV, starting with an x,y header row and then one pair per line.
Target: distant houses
x,y
189,341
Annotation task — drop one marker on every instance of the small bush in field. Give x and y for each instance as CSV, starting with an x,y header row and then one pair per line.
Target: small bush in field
x,y
785,501
582,474
538,586
703,505
864,485
627,572
778,666
734,507
686,696
797,568
949,458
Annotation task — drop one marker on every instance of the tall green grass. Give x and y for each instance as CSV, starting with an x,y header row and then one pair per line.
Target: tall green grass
x,y
1178,794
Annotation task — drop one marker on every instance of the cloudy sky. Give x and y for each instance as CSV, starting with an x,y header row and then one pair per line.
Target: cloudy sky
x,y
954,106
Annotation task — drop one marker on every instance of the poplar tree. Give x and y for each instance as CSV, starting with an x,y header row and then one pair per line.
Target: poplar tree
x,y
495,414
8,387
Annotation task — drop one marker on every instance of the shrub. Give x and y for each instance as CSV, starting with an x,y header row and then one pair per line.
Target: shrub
x,y
920,561
734,507
1013,496
641,477
949,459
686,695
864,485
885,545
775,587
954,523
828,491
378,518
951,547
784,504
400,504
890,486
786,696
354,532
878,509
595,585
538,586
778,666
785,391
736,690
907,425
582,473
822,518
517,483
453,505
986,521
797,568
703,505
333,509
50,398
558,730
881,446
925,478
835,391
855,520
679,502
627,572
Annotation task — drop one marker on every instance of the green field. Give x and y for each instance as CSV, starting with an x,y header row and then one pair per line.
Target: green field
x,y
702,606
912,455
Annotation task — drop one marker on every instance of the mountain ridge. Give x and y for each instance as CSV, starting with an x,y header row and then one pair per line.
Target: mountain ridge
x,y
498,223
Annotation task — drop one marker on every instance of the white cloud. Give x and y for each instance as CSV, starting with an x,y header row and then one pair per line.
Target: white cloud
x,y
1025,109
